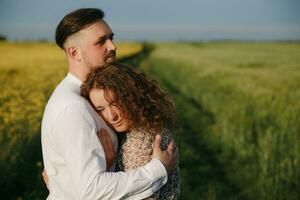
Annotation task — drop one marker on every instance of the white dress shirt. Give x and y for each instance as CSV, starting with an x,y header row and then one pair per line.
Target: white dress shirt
x,y
74,158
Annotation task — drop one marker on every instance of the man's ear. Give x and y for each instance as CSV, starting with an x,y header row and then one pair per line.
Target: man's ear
x,y
73,53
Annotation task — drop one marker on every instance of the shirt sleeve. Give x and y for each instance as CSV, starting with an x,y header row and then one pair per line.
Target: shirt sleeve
x,y
75,133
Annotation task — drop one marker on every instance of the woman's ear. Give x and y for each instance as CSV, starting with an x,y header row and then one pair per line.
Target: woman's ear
x,y
73,53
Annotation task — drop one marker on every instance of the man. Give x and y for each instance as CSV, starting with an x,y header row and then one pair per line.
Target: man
x,y
74,159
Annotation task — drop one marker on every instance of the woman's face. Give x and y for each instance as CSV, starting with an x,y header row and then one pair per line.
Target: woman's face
x,y
108,110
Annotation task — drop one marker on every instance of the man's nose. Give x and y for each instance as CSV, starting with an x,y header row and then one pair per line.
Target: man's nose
x,y
111,46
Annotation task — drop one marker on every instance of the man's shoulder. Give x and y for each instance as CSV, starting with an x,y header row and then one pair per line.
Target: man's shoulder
x,y
65,96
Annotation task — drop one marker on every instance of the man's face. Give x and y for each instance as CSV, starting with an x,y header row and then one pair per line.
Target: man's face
x,y
96,45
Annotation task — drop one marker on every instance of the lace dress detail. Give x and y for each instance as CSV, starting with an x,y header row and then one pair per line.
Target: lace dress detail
x,y
136,150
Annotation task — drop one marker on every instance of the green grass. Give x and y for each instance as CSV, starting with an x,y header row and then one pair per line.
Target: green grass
x,y
239,117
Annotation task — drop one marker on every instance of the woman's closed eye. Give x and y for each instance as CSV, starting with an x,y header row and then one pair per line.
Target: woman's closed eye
x,y
100,109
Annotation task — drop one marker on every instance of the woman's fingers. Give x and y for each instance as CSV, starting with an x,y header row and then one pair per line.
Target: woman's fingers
x,y
107,147
45,178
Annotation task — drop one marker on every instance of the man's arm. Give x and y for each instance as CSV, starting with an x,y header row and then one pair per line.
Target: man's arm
x,y
85,159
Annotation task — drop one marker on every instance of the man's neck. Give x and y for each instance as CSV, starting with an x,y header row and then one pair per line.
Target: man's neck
x,y
81,75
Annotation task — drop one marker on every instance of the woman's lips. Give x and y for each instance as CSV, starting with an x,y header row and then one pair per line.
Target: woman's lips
x,y
117,123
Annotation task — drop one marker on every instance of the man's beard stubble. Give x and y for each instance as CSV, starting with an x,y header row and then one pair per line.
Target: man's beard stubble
x,y
109,58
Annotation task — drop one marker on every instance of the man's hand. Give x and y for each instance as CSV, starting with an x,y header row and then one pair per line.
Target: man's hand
x,y
168,157
107,146
46,178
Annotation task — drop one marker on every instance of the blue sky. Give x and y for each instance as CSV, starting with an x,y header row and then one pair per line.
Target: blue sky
x,y
160,19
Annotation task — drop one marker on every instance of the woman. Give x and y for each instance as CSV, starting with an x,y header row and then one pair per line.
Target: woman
x,y
133,105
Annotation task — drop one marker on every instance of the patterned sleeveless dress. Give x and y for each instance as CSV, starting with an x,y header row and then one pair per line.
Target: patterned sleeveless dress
x,y
135,150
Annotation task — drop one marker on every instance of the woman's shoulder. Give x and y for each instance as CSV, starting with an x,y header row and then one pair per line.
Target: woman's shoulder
x,y
140,134
147,136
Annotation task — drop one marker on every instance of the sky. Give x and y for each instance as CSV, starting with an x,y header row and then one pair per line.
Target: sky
x,y
160,20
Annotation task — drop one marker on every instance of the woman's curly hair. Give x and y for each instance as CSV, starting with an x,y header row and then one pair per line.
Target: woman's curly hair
x,y
141,100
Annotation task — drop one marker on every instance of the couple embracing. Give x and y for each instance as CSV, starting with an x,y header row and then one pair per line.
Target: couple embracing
x,y
97,100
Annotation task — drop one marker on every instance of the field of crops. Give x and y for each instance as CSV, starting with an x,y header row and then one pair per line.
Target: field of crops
x,y
28,74
238,115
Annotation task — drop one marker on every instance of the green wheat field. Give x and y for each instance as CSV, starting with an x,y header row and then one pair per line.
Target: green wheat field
x,y
238,107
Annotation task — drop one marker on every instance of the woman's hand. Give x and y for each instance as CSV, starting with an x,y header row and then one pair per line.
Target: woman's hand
x,y
45,178
108,147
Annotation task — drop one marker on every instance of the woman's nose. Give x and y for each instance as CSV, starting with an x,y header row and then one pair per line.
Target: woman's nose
x,y
113,115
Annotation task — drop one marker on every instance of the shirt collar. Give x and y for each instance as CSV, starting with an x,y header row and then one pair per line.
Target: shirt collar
x,y
74,79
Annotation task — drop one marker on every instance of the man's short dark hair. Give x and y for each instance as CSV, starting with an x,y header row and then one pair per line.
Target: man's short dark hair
x,y
76,21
